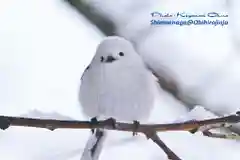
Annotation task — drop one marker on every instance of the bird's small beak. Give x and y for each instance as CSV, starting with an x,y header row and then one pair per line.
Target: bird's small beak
x,y
110,59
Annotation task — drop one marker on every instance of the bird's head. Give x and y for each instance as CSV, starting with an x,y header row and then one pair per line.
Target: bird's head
x,y
114,49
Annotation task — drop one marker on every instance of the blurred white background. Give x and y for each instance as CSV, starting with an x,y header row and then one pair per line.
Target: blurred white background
x,y
45,46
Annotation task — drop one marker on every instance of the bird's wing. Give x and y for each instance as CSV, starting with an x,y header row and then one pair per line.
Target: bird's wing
x,y
86,69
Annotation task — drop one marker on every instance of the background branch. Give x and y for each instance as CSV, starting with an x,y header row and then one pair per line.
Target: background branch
x,y
101,22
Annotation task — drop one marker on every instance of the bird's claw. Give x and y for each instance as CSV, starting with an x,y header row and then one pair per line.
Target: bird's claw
x,y
94,121
112,122
194,130
4,123
136,126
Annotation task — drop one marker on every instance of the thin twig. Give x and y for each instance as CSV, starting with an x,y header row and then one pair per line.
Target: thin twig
x,y
156,139
206,131
219,135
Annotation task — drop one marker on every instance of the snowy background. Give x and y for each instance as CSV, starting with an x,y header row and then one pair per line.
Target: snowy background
x,y
46,45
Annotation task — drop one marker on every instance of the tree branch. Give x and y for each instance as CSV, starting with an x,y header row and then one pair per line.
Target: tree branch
x,y
219,135
51,124
156,139
150,130
102,23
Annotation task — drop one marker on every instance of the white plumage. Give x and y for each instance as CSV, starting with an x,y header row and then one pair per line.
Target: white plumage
x,y
117,84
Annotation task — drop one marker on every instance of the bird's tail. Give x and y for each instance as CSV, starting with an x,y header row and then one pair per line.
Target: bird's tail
x,y
94,145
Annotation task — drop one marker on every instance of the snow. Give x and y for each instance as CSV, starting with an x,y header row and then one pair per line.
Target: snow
x,y
43,50
202,60
45,47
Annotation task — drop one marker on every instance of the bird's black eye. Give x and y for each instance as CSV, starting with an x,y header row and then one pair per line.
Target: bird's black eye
x,y
102,58
121,54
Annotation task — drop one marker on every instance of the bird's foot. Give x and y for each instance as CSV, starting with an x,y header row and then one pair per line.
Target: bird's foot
x,y
238,113
4,123
111,121
136,126
94,121
194,130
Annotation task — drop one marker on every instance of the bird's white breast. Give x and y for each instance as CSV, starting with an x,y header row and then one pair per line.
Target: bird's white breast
x,y
125,94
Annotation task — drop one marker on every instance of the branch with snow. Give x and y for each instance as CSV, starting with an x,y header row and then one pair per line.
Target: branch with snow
x,y
150,130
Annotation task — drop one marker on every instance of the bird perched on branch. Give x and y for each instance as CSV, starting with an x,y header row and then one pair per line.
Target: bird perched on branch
x,y
116,85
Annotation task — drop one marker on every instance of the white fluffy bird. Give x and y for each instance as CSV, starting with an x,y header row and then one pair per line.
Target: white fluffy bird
x,y
116,84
